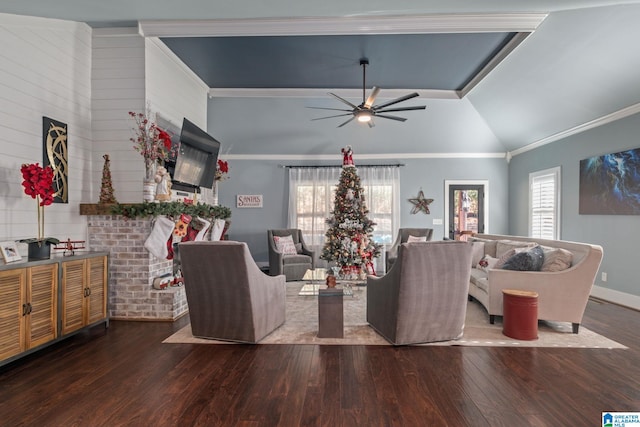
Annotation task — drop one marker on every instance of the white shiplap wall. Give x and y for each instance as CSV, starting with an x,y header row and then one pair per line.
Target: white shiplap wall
x,y
173,90
45,70
129,74
118,81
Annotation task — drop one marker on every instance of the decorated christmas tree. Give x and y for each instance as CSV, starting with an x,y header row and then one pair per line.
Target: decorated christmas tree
x,y
106,189
349,238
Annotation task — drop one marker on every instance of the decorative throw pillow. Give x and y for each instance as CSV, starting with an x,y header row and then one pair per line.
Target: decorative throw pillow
x,y
556,259
505,245
530,260
413,239
490,245
504,258
486,263
285,244
477,252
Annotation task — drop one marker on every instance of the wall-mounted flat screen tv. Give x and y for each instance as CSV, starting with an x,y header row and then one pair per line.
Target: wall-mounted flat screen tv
x,y
195,162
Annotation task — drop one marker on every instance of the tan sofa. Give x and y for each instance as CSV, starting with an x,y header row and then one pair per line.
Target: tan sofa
x,y
562,295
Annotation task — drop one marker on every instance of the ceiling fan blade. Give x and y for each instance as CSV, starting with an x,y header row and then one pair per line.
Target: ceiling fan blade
x,y
395,101
343,100
347,121
324,108
372,97
420,107
384,116
330,117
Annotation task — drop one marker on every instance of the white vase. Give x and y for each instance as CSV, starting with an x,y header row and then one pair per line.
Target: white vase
x,y
214,200
148,184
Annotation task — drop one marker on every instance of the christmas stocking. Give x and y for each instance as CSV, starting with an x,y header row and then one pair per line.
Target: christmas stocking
x,y
195,229
203,231
156,243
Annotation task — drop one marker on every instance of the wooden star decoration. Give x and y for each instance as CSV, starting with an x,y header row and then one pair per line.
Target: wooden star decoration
x,y
420,204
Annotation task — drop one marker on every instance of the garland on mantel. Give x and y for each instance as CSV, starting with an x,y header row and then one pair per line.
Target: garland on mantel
x,y
173,209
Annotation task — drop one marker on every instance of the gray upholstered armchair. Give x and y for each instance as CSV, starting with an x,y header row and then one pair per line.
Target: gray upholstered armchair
x,y
403,236
229,297
293,266
423,298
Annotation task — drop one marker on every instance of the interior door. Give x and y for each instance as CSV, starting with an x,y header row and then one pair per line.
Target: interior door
x,y
466,210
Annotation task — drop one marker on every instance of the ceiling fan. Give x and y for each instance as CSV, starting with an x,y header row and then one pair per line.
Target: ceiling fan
x,y
367,110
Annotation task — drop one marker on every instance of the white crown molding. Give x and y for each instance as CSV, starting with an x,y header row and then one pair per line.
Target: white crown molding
x,y
322,93
361,156
609,118
116,32
409,24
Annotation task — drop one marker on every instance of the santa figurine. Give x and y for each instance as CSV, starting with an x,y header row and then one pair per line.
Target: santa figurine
x,y
347,156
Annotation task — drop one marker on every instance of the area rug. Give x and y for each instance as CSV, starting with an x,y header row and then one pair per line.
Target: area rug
x,y
301,327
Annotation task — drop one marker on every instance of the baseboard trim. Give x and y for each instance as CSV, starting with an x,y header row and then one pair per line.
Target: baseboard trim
x,y
616,297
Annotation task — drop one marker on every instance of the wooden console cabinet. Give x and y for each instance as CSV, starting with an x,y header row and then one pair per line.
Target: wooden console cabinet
x,y
84,292
42,302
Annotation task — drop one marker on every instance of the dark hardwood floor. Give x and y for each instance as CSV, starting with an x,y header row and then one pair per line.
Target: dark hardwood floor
x,y
126,376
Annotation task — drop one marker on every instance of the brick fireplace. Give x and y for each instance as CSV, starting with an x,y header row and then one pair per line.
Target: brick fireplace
x,y
132,270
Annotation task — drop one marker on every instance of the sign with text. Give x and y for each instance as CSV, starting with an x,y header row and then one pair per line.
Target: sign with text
x,y
249,201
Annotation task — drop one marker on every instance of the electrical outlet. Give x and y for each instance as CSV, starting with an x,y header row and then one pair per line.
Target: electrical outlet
x,y
604,276
437,221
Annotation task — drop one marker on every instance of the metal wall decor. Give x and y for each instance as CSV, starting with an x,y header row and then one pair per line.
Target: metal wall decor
x,y
420,204
54,144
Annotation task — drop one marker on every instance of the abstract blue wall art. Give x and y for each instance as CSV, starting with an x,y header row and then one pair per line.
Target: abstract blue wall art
x,y
610,184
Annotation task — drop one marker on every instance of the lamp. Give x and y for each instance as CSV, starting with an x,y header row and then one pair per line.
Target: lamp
x,y
364,116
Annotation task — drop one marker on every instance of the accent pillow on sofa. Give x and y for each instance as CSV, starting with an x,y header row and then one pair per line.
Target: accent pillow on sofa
x,y
414,239
505,245
556,259
490,245
504,258
486,263
285,244
477,252
530,260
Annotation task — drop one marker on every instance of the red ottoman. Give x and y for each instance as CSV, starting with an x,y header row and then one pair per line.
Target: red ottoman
x,y
520,314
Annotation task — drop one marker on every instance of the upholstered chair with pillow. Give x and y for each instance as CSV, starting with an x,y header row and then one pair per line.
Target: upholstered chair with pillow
x,y
288,253
423,298
229,297
406,235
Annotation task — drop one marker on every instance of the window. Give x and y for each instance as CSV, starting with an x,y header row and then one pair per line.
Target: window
x,y
312,193
544,204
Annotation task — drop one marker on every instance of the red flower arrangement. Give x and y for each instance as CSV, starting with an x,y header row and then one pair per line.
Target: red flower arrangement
x,y
151,141
38,183
222,170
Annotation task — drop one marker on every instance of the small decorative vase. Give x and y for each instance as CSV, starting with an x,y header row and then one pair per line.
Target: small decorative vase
x,y
148,183
331,281
39,251
214,194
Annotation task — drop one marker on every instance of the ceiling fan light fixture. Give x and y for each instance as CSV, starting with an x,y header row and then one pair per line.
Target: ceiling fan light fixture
x,y
364,116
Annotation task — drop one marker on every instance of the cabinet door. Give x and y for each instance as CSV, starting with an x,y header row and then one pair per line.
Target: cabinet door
x,y
97,294
73,291
13,310
42,296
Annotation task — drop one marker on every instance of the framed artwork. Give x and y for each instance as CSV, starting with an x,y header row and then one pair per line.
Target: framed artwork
x,y
9,251
54,142
610,184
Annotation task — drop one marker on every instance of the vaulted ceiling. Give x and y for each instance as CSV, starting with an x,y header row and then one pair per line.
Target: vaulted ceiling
x,y
496,76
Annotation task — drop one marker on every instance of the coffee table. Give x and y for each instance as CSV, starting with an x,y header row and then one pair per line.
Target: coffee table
x,y
314,280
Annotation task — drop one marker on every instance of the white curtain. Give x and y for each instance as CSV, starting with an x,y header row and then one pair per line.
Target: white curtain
x,y
312,193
